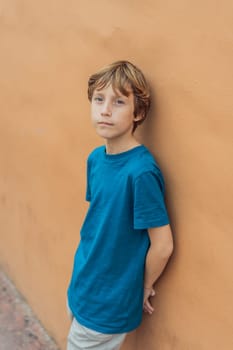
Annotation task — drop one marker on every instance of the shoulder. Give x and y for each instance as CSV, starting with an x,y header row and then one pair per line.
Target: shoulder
x,y
146,170
96,153
145,162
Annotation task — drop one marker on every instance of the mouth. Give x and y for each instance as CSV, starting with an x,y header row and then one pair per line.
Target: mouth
x,y
105,123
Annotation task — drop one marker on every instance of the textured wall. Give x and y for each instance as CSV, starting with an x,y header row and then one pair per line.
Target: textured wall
x,y
47,51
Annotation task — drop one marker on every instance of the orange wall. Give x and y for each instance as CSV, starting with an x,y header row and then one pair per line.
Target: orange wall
x,y
47,51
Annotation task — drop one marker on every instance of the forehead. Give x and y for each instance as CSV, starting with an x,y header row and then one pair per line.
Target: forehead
x,y
114,90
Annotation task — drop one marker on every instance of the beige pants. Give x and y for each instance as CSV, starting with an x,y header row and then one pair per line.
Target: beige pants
x,y
81,338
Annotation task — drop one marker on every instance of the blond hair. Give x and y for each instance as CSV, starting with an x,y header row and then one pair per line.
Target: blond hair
x,y
125,77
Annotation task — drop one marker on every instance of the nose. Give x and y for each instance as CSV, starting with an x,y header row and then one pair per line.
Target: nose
x,y
106,109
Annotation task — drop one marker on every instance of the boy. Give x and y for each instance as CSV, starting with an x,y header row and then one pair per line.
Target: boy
x,y
126,238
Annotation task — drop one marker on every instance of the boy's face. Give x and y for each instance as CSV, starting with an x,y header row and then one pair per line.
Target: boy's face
x,y
113,113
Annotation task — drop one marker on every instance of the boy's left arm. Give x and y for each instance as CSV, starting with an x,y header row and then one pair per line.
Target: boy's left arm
x,y
161,247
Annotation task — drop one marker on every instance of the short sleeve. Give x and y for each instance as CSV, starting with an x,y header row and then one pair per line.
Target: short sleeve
x,y
88,189
149,205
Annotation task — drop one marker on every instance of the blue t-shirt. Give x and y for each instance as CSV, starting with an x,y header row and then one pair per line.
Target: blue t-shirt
x,y
126,194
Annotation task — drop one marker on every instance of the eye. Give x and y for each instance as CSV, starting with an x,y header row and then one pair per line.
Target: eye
x,y
98,99
119,101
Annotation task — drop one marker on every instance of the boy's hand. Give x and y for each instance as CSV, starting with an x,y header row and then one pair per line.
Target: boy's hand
x,y
147,307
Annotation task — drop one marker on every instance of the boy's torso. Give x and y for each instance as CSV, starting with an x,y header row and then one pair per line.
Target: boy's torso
x,y
109,263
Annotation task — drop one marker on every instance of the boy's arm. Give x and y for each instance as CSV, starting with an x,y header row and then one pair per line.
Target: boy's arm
x,y
161,247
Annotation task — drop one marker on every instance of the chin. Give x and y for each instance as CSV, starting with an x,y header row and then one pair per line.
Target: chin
x,y
104,134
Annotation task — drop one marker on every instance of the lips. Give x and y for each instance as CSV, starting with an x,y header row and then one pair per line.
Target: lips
x,y
105,123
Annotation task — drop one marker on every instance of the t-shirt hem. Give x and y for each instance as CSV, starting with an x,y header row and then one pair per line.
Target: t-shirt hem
x,y
106,330
150,224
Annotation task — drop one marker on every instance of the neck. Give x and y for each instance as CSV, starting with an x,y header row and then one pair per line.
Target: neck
x,y
113,147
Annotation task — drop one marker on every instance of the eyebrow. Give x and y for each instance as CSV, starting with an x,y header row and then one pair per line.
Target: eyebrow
x,y
96,92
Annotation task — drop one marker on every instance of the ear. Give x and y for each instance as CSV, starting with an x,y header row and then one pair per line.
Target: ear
x,y
138,117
